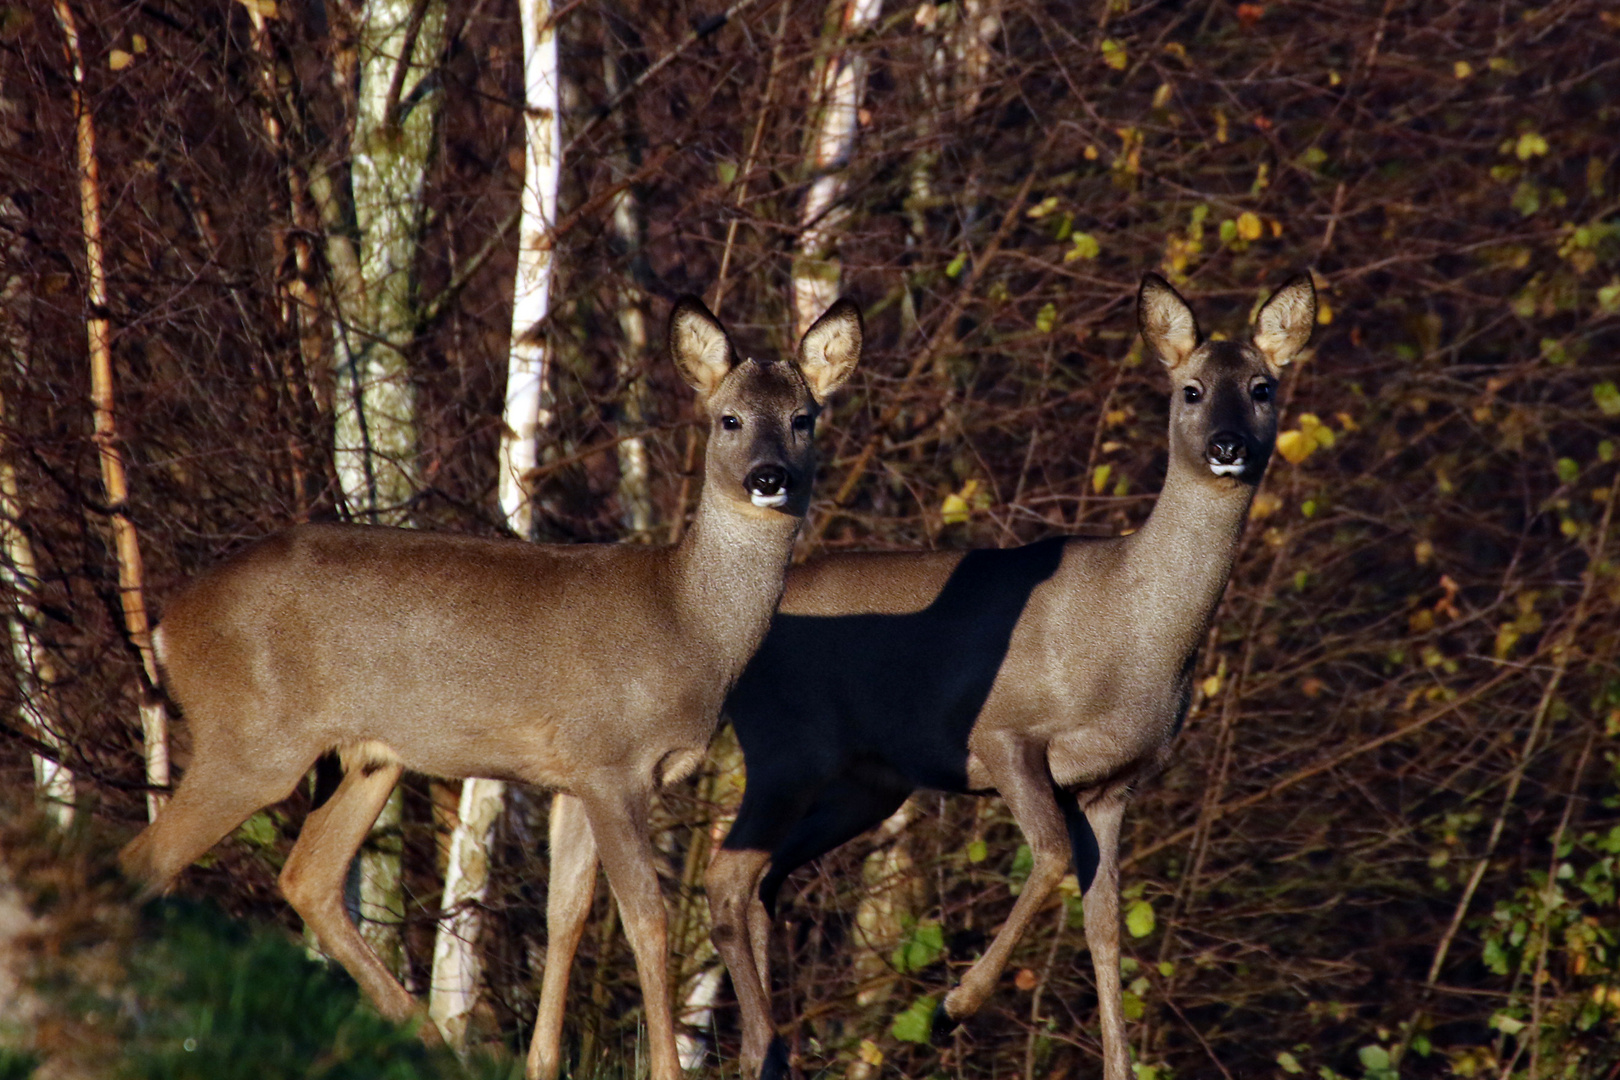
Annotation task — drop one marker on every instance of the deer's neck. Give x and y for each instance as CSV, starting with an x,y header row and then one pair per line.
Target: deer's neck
x,y
1179,561
729,569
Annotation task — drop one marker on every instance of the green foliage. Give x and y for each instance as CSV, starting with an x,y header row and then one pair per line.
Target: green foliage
x,y
16,1064
923,944
218,999
916,1023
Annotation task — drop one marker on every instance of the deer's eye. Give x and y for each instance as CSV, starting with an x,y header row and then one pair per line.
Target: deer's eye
x,y
1191,394
1261,392
803,422
730,423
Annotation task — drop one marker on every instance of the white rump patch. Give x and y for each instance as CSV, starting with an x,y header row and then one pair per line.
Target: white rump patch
x,y
769,501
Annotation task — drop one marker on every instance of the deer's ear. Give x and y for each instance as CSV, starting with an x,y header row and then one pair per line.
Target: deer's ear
x,y
831,348
1166,321
1285,323
699,346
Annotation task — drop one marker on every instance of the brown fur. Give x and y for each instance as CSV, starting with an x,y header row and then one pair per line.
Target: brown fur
x,y
598,671
1096,679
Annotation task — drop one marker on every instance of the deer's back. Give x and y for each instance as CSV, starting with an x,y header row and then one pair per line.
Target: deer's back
x,y
465,656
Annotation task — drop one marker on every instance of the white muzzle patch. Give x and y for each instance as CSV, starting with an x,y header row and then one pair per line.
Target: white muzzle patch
x,y
770,502
1234,469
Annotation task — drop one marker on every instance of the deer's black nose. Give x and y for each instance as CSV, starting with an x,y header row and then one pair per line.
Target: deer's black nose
x,y
1226,448
766,480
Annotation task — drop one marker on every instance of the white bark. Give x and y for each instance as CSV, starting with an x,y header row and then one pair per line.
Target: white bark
x,y
635,493
697,1011
36,675
374,400
528,406
817,272
374,403
457,971
889,904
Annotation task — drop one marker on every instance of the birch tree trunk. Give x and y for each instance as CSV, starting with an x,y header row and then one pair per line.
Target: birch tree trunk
x,y
457,971
817,271
126,543
36,675
629,229
374,285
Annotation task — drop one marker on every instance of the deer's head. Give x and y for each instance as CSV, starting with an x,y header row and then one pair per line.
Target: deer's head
x,y
762,413
1223,413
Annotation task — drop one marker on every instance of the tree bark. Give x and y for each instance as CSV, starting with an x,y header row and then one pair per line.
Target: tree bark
x,y
817,271
457,971
126,542
374,285
35,671
629,229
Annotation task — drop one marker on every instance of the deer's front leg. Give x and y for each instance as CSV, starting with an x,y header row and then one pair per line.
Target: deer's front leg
x,y
732,884
1018,769
618,818
1101,900
568,904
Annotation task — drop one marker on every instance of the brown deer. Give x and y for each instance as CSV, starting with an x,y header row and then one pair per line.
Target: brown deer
x,y
1055,675
595,670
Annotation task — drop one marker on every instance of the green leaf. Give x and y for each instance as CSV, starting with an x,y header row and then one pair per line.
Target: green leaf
x,y
1506,1024
977,851
1373,1058
1085,246
1046,317
1139,918
1113,54
258,831
921,947
1228,231
1131,1006
1608,297
1607,397
916,1024
1289,1063
1023,862
1568,470
954,270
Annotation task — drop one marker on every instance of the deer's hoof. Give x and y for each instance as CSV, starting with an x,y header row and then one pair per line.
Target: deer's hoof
x,y
776,1061
944,1024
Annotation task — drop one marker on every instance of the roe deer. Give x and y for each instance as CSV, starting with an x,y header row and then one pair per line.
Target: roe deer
x,y
596,670
1055,674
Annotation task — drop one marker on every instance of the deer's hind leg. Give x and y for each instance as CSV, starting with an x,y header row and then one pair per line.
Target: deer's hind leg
x,y
216,794
315,872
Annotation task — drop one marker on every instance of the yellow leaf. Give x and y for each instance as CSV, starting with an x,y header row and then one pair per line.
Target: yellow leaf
x,y
869,1053
1042,208
1248,225
1462,69
954,509
1530,144
1099,478
1212,686
1319,433
1324,310
1295,446
1265,504
263,8
1114,54
118,59
138,43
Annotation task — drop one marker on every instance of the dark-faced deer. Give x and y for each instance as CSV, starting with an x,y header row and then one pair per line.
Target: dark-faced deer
x,y
596,670
1055,674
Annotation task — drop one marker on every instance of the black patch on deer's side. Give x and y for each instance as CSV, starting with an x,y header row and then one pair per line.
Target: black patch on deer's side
x,y
840,717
